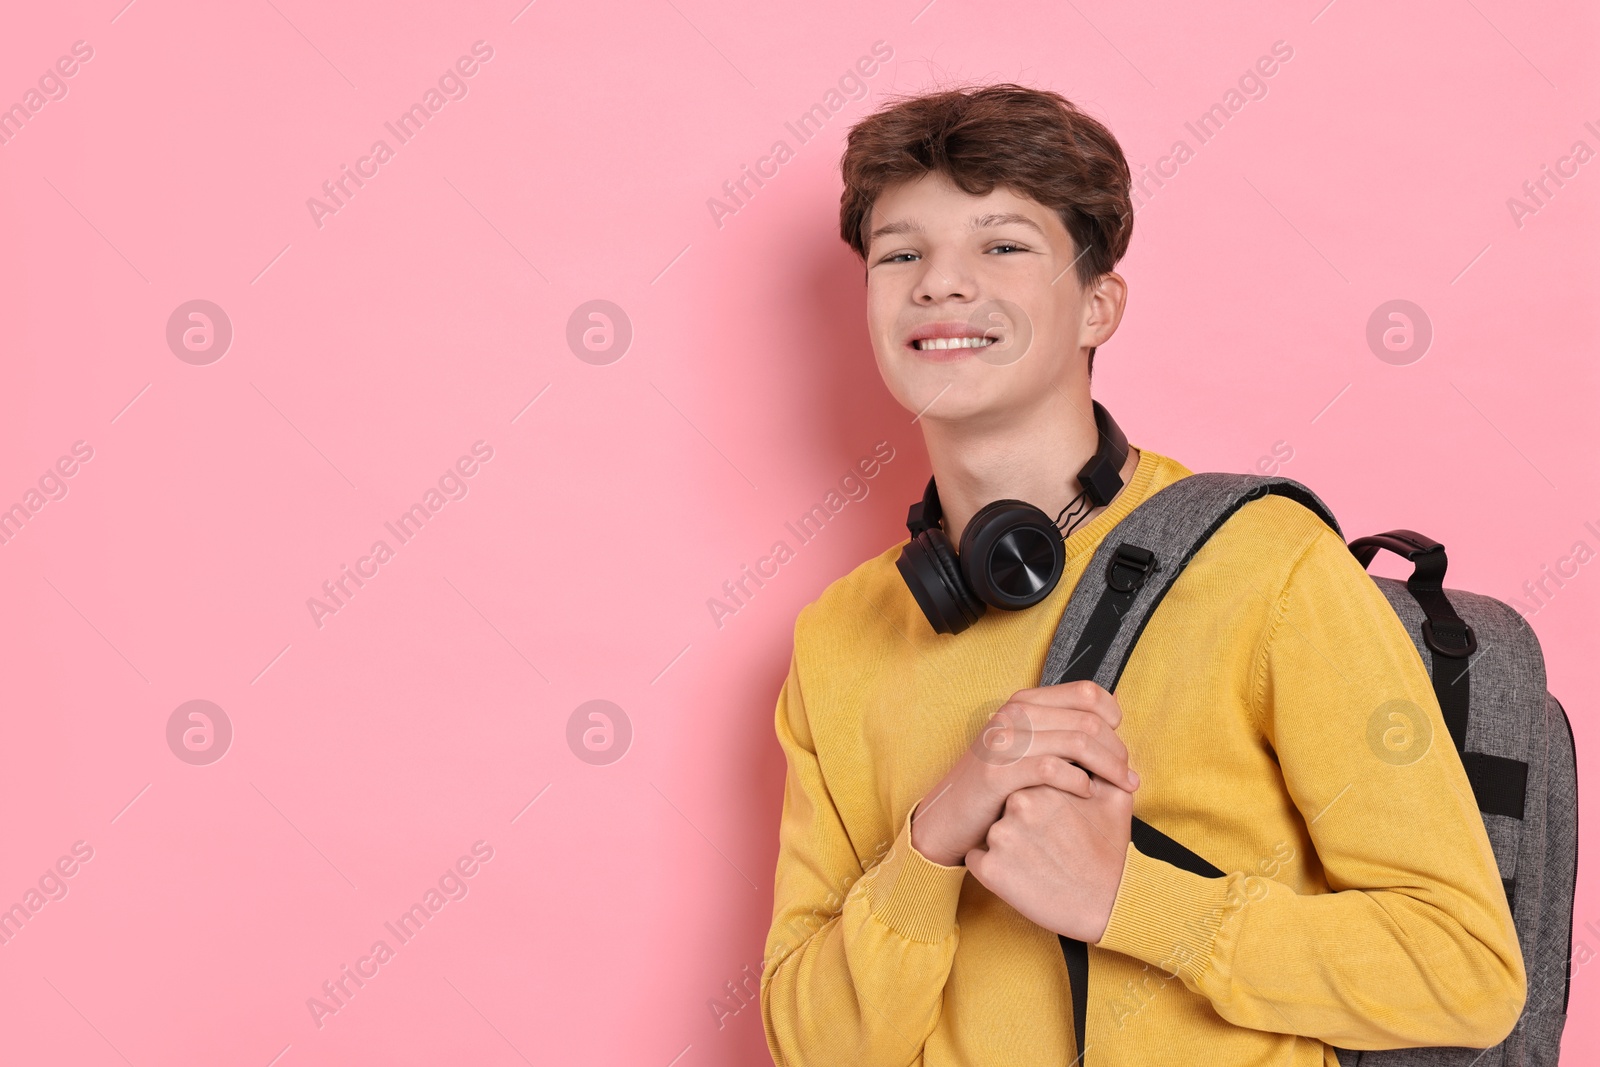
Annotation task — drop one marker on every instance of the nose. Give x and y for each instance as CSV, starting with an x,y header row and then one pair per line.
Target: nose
x,y
944,278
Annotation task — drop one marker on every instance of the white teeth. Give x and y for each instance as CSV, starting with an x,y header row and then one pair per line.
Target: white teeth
x,y
954,342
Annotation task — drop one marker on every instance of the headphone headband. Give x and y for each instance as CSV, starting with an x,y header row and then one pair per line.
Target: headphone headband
x,y
1101,477
925,513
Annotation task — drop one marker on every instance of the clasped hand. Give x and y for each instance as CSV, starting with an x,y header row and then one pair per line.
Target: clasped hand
x,y
1040,808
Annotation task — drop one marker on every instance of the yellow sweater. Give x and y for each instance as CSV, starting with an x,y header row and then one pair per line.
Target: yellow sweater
x,y
1364,908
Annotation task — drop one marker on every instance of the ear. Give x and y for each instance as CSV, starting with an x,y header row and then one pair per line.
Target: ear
x,y
1103,305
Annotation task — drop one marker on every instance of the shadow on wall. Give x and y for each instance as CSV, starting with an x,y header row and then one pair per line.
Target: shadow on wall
x,y
835,408
850,405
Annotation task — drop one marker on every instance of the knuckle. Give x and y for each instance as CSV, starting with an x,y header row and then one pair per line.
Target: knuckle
x,y
1011,713
1059,772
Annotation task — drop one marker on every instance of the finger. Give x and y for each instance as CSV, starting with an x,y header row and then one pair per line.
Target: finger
x,y
1084,695
1013,729
1032,805
1105,755
1068,721
1084,747
1054,771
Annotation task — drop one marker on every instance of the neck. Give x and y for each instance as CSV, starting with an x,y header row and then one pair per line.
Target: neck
x,y
1034,456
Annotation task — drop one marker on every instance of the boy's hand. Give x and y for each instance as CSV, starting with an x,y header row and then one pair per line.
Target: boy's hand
x,y
1057,858
1048,736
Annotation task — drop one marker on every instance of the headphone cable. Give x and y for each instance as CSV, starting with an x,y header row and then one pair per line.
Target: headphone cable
x,y
1081,501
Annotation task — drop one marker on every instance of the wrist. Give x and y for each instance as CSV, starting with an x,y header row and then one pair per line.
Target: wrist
x,y
927,849
1116,868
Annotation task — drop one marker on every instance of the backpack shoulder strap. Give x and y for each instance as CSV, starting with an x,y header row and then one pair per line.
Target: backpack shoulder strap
x,y
1137,563
1127,577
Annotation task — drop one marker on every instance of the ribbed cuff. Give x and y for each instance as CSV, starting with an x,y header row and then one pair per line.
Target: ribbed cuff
x,y
1167,917
913,895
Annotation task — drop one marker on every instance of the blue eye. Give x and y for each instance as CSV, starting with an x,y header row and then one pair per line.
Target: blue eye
x,y
1007,244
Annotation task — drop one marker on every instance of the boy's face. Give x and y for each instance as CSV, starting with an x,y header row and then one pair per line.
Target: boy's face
x,y
942,261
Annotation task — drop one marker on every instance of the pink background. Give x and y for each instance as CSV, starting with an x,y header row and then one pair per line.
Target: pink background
x,y
371,752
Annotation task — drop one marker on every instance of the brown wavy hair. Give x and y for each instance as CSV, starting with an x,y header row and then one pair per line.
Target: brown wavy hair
x,y
1033,141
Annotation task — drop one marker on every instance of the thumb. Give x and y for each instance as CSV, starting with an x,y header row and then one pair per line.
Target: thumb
x,y
976,861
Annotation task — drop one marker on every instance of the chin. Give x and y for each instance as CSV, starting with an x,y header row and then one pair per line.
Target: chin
x,y
957,401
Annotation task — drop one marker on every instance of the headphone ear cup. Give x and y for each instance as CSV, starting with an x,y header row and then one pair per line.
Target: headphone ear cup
x,y
970,607
1012,555
931,572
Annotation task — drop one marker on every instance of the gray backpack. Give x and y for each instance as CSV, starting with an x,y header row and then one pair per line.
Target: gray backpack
x,y
1513,737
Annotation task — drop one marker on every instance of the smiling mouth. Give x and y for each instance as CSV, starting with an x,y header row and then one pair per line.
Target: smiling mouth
x,y
931,344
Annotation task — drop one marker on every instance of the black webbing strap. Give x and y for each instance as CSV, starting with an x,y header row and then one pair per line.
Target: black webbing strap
x,y
1158,846
1076,953
1453,687
1130,565
1500,785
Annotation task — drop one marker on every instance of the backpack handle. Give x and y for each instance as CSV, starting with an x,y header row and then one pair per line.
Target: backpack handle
x,y
1443,630
1423,551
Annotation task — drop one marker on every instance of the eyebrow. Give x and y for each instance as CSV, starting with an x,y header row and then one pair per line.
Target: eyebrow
x,y
979,223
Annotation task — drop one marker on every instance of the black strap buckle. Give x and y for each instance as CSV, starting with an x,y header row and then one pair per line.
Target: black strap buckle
x,y
1130,565
1448,640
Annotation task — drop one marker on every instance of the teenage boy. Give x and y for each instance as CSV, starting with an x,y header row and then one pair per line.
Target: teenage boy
x,y
1362,908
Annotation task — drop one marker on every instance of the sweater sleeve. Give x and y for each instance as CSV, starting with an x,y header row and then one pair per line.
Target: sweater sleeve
x,y
857,957
1415,944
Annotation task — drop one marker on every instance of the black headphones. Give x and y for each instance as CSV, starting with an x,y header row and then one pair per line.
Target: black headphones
x,y
1011,553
